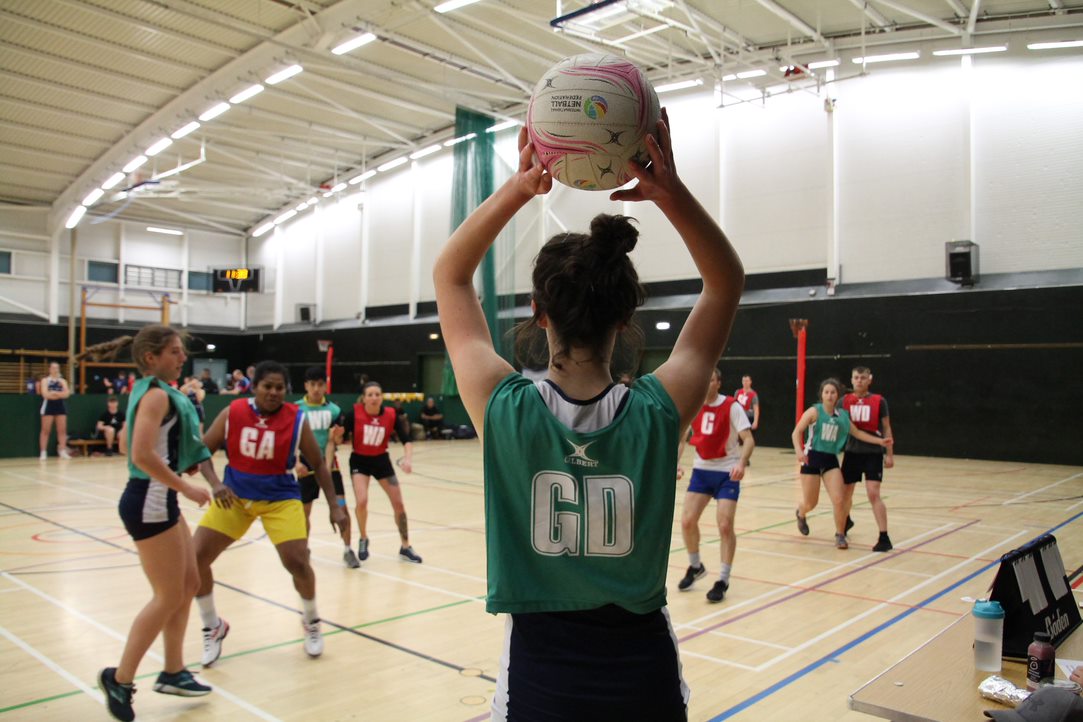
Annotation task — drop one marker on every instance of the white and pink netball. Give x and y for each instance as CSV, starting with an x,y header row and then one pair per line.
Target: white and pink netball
x,y
589,115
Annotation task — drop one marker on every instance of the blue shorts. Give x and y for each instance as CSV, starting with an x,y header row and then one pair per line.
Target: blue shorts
x,y
715,484
148,508
819,462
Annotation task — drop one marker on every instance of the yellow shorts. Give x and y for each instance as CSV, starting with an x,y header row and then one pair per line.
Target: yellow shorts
x,y
282,520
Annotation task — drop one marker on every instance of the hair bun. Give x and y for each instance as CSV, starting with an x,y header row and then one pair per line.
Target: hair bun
x,y
614,235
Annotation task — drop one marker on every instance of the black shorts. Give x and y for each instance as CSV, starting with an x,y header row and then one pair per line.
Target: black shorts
x,y
378,467
148,508
53,407
310,488
819,462
600,664
855,464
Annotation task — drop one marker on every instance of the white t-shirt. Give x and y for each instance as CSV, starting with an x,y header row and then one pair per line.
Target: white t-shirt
x,y
738,423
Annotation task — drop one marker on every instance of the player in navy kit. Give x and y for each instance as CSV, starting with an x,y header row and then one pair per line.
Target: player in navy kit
x,y
54,389
723,442
578,470
869,413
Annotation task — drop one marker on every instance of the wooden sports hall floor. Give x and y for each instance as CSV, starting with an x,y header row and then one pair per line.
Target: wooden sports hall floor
x,y
803,626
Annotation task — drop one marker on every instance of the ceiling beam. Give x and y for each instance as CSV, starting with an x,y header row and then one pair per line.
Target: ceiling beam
x,y
57,134
972,21
924,17
877,17
958,8
795,21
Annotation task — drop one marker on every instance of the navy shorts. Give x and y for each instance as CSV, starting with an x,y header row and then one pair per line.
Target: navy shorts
x,y
855,464
819,462
53,407
148,508
715,484
378,467
600,664
310,488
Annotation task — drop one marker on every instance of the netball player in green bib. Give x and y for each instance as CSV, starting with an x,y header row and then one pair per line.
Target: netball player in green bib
x,y
579,491
818,438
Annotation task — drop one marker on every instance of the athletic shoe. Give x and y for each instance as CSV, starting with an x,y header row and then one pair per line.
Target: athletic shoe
x,y
118,697
802,522
840,542
691,576
64,454
363,549
43,456
718,591
883,545
407,554
350,559
849,523
313,638
212,642
181,683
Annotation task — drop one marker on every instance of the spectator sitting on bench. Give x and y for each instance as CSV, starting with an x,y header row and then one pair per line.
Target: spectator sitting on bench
x,y
431,418
110,424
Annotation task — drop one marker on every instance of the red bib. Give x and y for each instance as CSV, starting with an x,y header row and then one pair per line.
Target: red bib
x,y
264,445
745,398
864,413
711,429
371,433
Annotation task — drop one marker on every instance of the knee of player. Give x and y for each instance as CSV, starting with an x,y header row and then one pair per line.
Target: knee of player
x,y
296,562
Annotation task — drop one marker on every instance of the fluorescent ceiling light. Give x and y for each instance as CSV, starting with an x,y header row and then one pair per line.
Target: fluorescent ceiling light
x,y
285,216
263,229
822,64
972,51
93,197
211,347
166,231
744,75
662,325
1054,46
453,5
460,139
158,146
502,126
338,187
328,194
433,336
363,177
353,44
284,74
134,163
112,182
75,217
247,93
214,112
886,58
680,85
425,151
300,207
190,128
391,164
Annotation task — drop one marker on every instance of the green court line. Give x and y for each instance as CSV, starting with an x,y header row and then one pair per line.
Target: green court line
x,y
246,652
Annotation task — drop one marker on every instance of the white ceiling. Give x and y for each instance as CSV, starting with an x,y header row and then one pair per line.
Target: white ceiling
x,y
87,85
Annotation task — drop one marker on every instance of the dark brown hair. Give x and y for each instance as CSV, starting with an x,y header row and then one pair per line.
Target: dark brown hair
x,y
587,287
151,339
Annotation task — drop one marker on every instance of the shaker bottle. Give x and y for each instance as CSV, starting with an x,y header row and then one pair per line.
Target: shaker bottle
x,y
988,635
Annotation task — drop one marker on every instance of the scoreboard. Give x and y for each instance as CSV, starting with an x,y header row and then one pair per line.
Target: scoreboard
x,y
236,280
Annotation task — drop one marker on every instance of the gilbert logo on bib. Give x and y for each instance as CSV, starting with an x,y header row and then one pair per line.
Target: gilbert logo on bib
x,y
579,457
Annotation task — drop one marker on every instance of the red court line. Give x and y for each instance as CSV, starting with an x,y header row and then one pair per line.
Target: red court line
x,y
828,543
972,501
815,587
1077,582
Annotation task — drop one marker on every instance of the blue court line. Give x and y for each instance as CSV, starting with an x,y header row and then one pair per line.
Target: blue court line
x,y
834,654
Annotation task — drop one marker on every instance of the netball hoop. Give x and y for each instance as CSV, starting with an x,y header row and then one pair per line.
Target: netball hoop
x,y
799,328
326,346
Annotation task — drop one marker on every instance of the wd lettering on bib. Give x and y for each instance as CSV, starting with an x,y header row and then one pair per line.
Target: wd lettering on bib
x,y
257,445
373,435
319,420
860,414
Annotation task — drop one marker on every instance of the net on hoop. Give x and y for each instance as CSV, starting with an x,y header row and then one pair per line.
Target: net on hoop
x,y
324,344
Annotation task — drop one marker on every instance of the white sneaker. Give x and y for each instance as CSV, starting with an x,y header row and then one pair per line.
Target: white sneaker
x,y
313,638
64,454
212,642
43,456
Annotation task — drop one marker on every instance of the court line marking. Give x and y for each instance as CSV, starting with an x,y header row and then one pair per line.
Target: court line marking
x,y
718,660
108,631
1015,500
56,668
809,559
835,653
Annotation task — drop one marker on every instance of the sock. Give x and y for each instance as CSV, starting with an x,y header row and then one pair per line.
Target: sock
x,y
207,612
310,614
693,559
724,573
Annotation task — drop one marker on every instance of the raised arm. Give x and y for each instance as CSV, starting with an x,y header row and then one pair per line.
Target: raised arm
x,y
701,342
478,368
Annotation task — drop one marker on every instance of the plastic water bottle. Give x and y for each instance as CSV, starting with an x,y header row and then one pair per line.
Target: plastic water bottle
x,y
988,635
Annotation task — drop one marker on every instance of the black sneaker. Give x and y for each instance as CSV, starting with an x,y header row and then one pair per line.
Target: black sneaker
x,y
363,549
407,554
181,683
118,697
690,576
802,522
884,544
718,592
849,523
